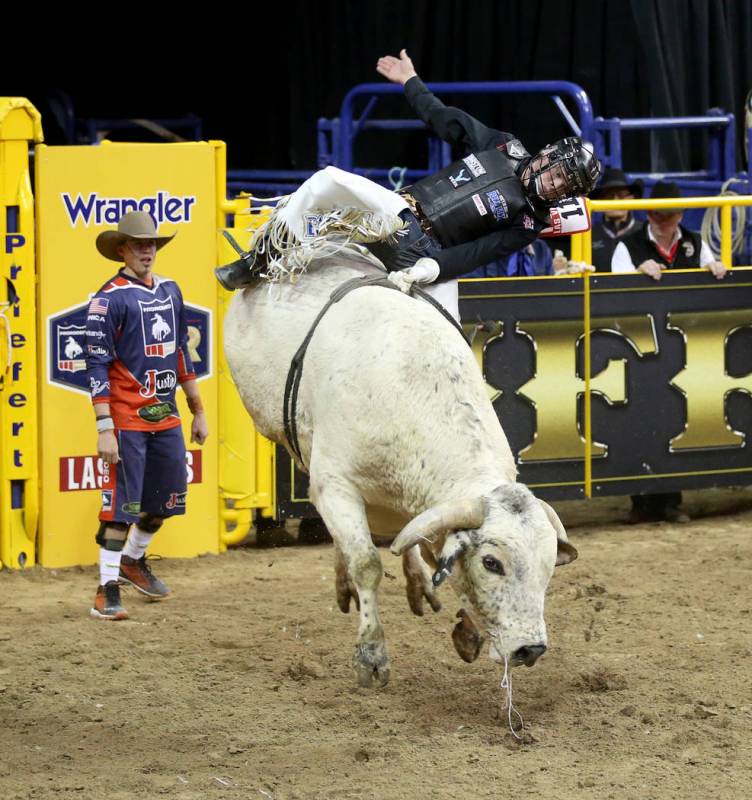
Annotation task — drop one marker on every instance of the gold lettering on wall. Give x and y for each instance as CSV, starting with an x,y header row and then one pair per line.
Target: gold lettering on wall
x,y
704,381
480,336
556,388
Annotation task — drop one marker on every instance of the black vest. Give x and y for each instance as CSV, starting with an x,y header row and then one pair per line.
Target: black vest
x,y
641,249
605,241
472,197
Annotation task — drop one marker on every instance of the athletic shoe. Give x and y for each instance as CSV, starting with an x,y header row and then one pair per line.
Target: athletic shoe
x,y
138,573
107,605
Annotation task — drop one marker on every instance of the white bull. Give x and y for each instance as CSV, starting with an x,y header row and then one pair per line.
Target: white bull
x,y
396,429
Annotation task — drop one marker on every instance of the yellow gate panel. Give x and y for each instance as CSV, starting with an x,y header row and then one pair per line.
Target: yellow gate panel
x,y
19,125
81,191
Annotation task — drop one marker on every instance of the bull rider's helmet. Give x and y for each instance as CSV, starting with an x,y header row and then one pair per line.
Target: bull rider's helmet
x,y
572,161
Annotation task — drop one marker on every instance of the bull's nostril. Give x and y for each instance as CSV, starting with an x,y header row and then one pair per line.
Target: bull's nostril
x,y
529,654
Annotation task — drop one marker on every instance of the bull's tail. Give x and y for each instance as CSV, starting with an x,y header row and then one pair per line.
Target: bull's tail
x,y
279,253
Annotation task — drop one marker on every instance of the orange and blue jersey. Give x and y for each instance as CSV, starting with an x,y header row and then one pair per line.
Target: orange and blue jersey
x,y
136,351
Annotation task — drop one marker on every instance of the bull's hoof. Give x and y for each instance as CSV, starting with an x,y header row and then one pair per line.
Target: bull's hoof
x,y
417,590
466,638
371,664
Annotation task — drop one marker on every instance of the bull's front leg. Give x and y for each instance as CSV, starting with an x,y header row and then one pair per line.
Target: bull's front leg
x,y
342,509
345,588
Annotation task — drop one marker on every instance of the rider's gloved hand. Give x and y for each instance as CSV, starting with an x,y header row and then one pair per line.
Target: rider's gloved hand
x,y
425,270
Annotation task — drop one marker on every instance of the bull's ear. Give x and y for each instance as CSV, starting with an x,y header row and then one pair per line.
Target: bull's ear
x,y
455,545
565,553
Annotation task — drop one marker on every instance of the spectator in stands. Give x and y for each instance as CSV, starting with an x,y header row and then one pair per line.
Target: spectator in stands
x,y
534,259
616,224
658,244
663,243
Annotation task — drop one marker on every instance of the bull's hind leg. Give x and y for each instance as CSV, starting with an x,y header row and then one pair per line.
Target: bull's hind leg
x,y
342,510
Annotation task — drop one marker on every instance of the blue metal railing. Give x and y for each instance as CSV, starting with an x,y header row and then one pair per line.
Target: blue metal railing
x,y
722,144
349,128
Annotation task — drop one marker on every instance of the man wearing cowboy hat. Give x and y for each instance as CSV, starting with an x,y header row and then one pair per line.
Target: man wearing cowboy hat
x,y
616,224
136,354
663,243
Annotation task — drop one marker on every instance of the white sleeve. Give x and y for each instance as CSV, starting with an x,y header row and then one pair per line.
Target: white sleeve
x,y
706,255
621,261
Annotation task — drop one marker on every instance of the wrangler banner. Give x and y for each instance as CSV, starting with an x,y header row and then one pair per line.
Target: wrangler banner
x,y
81,191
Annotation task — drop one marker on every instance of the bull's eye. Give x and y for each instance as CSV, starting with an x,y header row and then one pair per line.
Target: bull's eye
x,y
493,565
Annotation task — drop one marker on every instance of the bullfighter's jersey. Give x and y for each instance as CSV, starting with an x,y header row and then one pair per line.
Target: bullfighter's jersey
x,y
136,351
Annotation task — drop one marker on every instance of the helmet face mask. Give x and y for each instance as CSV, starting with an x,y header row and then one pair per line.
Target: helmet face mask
x,y
567,168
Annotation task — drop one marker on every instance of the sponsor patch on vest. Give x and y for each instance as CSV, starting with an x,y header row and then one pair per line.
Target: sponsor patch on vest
x,y
131,508
475,167
689,249
515,149
156,412
107,500
479,205
498,205
527,222
459,178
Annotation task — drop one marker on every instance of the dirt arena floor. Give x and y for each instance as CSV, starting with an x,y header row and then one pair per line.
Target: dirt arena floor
x,y
240,685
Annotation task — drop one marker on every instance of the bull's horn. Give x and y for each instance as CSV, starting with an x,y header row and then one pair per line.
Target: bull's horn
x,y
565,552
454,516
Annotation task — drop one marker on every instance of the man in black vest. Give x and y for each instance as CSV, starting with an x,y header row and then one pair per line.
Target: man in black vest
x,y
658,244
663,243
616,223
483,207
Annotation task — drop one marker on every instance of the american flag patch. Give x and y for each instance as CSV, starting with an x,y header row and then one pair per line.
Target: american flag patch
x,y
98,306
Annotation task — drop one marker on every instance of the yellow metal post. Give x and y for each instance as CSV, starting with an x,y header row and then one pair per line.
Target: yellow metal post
x,y
246,459
726,236
587,410
20,124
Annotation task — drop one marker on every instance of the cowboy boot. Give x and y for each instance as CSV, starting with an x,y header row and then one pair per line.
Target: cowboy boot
x,y
239,273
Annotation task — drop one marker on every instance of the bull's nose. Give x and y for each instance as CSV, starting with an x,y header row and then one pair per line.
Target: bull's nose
x,y
529,654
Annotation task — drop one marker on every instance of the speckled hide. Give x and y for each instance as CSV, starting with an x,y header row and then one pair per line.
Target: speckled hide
x,y
395,427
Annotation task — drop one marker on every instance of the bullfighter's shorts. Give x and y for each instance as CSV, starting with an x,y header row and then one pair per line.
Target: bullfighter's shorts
x,y
150,476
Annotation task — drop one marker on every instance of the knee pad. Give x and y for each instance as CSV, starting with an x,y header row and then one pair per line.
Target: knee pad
x,y
112,535
149,523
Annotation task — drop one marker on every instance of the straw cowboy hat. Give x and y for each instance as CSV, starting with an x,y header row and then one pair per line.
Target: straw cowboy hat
x,y
133,225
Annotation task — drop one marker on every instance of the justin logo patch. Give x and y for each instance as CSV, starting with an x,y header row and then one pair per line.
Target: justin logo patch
x,y
158,327
176,500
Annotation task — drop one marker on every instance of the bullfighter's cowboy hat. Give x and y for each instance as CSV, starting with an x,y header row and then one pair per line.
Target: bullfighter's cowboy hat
x,y
133,225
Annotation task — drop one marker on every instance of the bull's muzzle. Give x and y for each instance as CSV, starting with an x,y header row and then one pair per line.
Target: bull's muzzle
x,y
528,655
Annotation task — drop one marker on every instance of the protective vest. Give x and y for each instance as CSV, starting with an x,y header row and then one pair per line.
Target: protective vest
x,y
641,249
472,197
